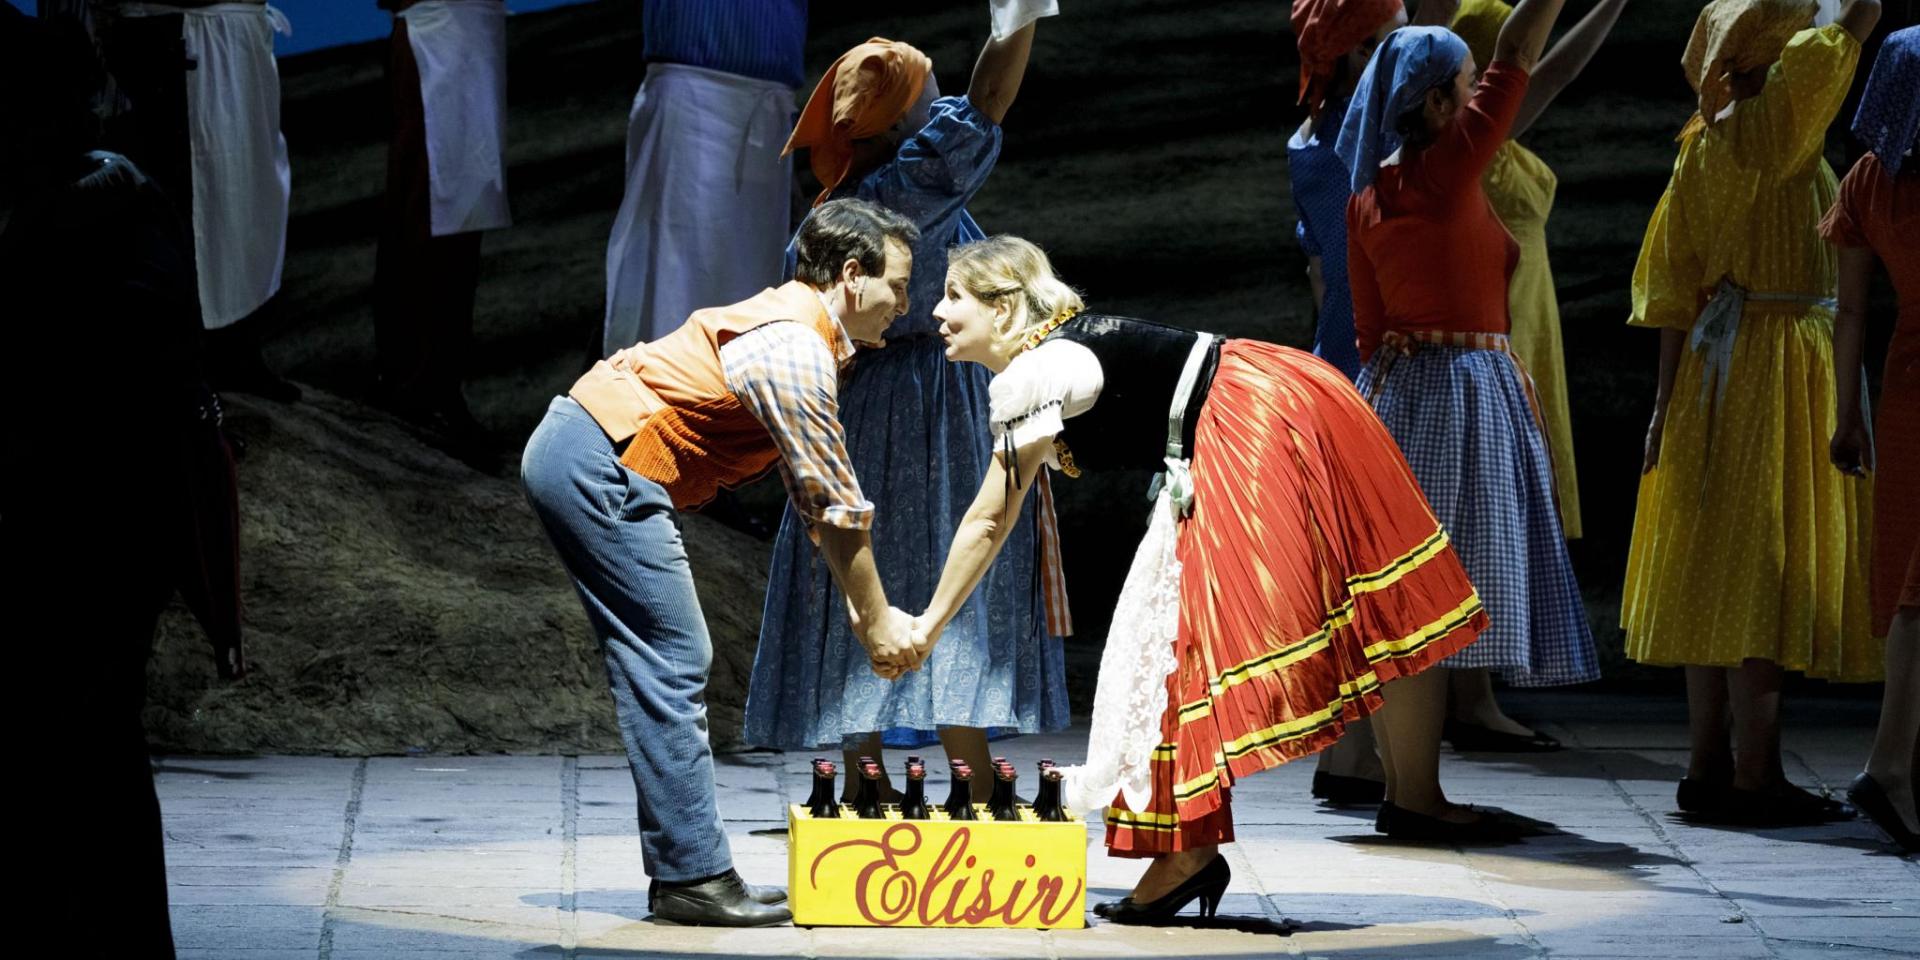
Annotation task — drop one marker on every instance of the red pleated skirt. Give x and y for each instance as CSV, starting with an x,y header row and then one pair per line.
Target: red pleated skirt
x,y
1312,572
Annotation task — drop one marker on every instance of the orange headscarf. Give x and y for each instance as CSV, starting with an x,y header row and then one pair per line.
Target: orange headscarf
x,y
1326,30
866,91
1734,36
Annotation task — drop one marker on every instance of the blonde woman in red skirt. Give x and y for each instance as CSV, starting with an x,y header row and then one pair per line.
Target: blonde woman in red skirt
x,y
1290,572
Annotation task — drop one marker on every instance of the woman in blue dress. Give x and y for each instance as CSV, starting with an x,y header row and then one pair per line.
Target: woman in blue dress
x,y
1336,38
916,429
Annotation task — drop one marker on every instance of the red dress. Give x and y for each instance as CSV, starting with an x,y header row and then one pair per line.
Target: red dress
x,y
1312,573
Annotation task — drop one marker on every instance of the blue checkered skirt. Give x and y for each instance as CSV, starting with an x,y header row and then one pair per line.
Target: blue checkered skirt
x,y
1462,417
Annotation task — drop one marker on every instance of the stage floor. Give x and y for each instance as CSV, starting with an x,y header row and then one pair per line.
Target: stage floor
x,y
536,857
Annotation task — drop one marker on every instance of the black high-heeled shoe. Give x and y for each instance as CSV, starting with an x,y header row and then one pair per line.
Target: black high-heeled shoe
x,y
1871,799
1207,886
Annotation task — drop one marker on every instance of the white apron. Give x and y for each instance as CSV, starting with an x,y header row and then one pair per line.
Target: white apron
x,y
241,180
460,47
704,222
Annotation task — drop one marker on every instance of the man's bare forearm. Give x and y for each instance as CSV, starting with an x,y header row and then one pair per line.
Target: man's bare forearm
x,y
849,556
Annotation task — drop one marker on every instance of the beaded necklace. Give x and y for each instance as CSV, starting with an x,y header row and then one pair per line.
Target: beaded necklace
x,y
1045,330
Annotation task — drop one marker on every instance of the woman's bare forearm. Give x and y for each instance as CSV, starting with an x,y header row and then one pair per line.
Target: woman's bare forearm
x,y
983,530
1859,17
1525,33
998,72
1849,329
1434,13
1672,342
1565,61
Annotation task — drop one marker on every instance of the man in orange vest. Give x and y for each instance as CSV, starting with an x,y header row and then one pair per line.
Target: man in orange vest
x,y
660,427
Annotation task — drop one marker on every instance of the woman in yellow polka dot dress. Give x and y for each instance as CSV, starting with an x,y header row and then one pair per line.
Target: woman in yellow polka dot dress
x,y
1748,558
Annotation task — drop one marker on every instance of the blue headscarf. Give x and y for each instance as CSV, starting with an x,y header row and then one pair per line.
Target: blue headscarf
x,y
1889,113
1412,61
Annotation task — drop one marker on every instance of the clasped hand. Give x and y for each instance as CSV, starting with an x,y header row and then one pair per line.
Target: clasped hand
x,y
898,642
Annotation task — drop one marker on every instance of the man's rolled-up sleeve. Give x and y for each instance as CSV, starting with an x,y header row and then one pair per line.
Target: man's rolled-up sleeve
x,y
784,374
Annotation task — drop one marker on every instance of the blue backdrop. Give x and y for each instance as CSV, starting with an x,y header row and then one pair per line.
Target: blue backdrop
x,y
318,24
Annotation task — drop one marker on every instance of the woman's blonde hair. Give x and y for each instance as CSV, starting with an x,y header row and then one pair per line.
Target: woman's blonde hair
x,y
1013,271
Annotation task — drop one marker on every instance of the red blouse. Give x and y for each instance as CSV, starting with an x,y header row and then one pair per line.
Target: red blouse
x,y
1425,250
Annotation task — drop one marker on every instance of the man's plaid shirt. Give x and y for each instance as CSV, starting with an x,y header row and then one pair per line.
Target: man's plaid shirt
x,y
789,379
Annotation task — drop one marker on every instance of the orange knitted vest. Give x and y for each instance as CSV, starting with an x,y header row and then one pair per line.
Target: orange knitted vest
x,y
669,399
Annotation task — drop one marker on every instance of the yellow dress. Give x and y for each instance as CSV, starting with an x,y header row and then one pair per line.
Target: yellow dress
x,y
1520,185
1747,542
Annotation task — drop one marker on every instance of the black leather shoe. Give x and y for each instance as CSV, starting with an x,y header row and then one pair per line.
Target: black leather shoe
x,y
765,893
1870,799
1399,823
1698,796
722,901
1474,738
759,893
1342,791
1206,886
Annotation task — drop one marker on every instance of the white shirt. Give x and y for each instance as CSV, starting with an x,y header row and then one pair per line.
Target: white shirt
x,y
1040,389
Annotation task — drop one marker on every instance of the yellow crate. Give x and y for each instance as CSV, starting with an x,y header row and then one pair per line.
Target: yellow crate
x,y
848,872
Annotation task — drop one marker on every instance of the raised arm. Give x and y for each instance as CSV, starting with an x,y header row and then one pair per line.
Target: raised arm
x,y
997,74
1565,61
1525,33
1434,13
1859,17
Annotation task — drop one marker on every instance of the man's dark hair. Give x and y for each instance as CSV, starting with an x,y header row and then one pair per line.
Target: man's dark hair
x,y
849,229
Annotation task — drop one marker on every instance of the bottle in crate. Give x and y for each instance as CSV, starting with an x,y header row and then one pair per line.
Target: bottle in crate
x,y
1048,804
1003,805
866,803
959,805
913,806
822,803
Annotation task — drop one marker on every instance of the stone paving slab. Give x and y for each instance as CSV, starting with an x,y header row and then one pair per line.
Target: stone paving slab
x,y
537,857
